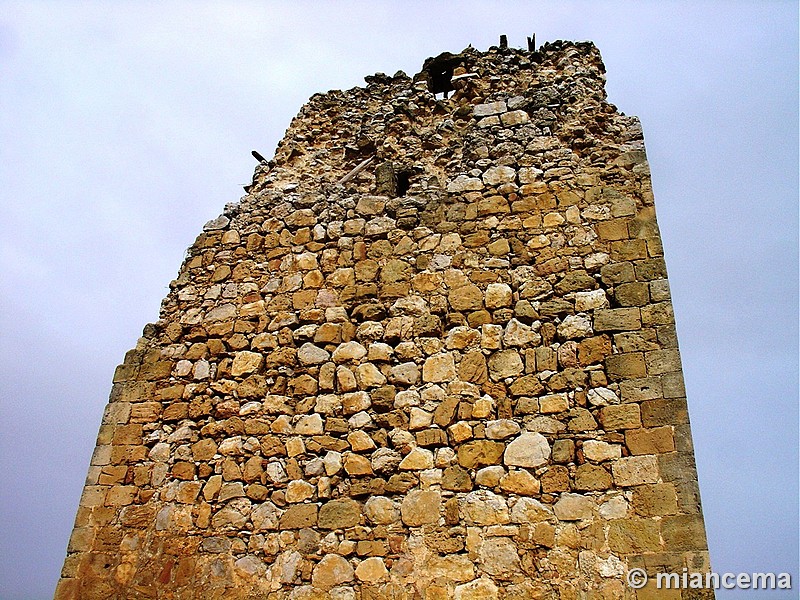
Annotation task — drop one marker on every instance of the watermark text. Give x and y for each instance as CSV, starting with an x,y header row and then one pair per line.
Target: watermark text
x,y
687,580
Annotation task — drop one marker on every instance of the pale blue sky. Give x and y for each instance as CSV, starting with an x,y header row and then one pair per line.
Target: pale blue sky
x,y
125,126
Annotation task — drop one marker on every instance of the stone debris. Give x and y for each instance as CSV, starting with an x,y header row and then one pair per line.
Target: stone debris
x,y
430,354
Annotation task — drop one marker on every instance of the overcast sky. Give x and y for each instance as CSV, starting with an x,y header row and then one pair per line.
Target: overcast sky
x,y
125,126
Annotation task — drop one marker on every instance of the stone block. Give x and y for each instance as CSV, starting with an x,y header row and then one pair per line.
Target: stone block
x,y
635,470
625,366
299,516
683,532
421,507
655,500
656,440
634,536
480,453
617,319
620,416
339,514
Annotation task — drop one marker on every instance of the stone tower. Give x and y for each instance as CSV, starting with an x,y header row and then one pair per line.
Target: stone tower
x,y
429,355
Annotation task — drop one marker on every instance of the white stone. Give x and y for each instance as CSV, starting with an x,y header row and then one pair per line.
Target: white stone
x,y
370,331
573,507
378,351
489,108
498,295
309,354
405,374
490,476
249,408
201,370
265,516
444,457
635,470
501,429
462,183
231,446
336,314
379,226
309,425
286,565
530,175
416,306
599,451
499,175
499,557
598,259
575,327
528,450
276,472
406,398
328,404
614,508
515,117
183,368
384,460
611,567
440,262
519,334
333,462
602,397
159,452
596,212
221,222
349,351
483,507
360,420
419,419
382,510
529,510
590,300
345,379
355,402
505,363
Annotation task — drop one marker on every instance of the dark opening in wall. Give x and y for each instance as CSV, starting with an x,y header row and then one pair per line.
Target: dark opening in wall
x,y
403,182
440,72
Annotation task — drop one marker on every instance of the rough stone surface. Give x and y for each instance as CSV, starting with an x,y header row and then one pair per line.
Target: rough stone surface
x,y
331,571
430,354
528,450
421,507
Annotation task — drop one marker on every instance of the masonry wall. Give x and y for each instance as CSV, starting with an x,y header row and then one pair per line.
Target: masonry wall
x,y
431,354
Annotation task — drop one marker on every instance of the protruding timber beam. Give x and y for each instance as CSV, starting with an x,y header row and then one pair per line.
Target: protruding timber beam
x,y
360,167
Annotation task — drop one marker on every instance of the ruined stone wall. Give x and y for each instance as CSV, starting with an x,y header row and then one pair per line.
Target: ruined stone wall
x,y
430,354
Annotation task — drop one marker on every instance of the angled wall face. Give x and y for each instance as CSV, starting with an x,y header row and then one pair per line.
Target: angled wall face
x,y
430,354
